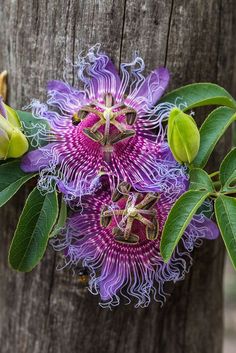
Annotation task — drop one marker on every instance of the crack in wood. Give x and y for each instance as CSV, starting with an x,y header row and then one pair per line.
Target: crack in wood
x,y
122,33
168,31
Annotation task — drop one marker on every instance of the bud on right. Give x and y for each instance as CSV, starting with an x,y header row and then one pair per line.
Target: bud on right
x,y
183,136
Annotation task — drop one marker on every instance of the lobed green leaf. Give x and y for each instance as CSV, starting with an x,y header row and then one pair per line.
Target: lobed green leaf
x,y
31,236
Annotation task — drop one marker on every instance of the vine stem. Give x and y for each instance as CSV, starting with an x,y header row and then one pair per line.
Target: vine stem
x,y
218,193
229,192
214,174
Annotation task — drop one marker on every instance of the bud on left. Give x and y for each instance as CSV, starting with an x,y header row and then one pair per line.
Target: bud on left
x,y
13,143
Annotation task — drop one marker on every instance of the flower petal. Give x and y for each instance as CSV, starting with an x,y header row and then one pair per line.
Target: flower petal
x,y
105,78
207,228
36,160
65,97
150,91
2,109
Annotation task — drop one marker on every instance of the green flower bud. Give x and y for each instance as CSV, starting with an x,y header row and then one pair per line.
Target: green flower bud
x,y
4,143
183,136
13,143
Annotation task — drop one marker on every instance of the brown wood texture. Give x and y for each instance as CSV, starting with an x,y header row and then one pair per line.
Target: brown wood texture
x,y
48,311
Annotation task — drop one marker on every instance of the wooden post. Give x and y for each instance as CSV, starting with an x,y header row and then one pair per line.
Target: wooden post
x,y
48,311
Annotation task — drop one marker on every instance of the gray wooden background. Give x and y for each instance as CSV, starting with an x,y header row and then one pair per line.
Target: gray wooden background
x,y
48,311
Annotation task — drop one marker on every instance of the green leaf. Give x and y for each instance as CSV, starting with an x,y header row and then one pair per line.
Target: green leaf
x,y
225,210
199,94
11,179
228,171
200,180
31,127
178,220
211,131
61,219
31,236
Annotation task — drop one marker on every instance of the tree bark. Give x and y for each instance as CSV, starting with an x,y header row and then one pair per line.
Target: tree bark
x,y
47,310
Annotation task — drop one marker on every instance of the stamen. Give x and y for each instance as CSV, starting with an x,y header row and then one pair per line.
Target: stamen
x,y
106,217
90,109
149,201
145,221
118,125
95,136
122,189
131,118
152,233
122,136
107,213
133,239
128,227
96,126
124,111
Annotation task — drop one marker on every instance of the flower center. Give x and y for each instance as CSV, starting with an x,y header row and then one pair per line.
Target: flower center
x,y
132,212
137,208
107,114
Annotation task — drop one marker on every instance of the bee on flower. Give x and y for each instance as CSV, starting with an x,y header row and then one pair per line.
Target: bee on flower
x,y
106,127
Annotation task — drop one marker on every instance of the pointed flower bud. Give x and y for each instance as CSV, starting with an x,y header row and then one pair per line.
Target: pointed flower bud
x,y
13,143
183,136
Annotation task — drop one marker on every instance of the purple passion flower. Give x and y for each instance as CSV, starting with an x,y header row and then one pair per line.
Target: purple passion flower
x,y
103,128
116,239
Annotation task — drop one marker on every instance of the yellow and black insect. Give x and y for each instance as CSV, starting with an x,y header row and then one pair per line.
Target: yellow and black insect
x,y
78,117
83,275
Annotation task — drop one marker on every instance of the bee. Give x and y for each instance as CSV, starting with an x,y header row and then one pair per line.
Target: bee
x,y
83,275
76,119
78,116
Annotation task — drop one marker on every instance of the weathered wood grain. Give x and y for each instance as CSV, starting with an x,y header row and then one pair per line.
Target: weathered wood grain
x,y
47,311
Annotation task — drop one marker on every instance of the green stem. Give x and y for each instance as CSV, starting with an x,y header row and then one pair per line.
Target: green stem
x,y
218,193
229,192
214,174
